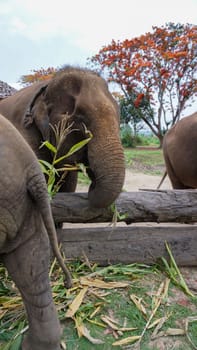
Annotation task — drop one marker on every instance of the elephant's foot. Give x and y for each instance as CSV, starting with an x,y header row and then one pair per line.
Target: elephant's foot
x,y
30,344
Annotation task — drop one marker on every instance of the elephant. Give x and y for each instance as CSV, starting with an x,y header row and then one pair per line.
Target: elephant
x,y
179,150
26,229
82,98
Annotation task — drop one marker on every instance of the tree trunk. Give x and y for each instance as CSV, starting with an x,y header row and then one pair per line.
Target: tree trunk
x,y
141,206
132,244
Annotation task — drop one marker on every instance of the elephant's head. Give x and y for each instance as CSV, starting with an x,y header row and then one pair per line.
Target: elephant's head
x,y
84,97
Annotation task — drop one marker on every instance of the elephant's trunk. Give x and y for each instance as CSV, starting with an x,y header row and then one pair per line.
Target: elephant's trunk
x,y
107,166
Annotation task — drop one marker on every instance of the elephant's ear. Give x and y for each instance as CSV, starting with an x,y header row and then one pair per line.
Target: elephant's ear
x,y
37,112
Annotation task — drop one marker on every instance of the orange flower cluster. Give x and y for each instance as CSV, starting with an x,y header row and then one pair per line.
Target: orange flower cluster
x,y
41,74
138,100
154,61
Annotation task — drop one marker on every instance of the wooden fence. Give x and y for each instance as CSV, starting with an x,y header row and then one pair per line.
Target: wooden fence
x,y
145,221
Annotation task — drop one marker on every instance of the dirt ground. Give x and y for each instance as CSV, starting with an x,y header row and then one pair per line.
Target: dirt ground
x,y
135,181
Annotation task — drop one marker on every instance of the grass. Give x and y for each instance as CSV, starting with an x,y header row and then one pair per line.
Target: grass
x,y
145,161
140,303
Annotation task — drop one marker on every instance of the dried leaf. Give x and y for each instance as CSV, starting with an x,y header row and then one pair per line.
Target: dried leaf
x,y
110,318
158,323
83,331
95,311
101,284
109,323
155,323
74,306
138,303
63,345
96,323
127,329
175,331
2,313
126,340
99,294
161,293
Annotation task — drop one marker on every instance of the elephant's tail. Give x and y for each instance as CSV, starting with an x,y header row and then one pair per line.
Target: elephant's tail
x,y
50,227
162,179
37,188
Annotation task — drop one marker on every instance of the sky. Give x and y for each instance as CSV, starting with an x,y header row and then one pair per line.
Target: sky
x,y
39,33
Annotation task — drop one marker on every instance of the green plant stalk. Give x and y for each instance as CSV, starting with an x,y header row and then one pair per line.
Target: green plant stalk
x,y
181,282
49,169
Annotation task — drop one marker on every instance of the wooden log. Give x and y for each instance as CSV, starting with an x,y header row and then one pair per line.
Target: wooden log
x,y
140,244
141,206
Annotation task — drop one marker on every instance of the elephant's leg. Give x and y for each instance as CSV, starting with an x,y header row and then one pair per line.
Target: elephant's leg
x,y
28,266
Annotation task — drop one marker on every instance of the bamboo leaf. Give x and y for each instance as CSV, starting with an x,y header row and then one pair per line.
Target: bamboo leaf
x,y
138,303
45,164
113,325
109,323
174,273
83,331
101,284
74,306
77,147
126,341
175,331
49,146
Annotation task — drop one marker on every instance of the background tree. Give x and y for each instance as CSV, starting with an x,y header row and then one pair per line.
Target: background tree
x,y
37,75
159,68
132,110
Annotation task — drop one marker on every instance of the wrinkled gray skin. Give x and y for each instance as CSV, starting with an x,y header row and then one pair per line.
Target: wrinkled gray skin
x,y
180,153
85,97
26,228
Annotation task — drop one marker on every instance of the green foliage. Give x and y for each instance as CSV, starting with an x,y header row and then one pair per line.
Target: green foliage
x,y
61,131
127,137
135,108
145,140
173,272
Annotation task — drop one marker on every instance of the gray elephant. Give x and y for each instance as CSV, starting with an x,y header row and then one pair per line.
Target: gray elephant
x,y
26,228
84,96
179,149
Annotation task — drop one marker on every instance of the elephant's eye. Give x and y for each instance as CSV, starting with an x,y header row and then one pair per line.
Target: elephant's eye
x,y
82,117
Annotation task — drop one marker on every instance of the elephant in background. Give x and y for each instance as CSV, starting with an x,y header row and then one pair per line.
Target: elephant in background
x,y
81,96
180,153
26,228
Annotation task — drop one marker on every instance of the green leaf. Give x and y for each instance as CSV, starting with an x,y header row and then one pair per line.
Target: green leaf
x,y
73,149
16,345
46,164
49,146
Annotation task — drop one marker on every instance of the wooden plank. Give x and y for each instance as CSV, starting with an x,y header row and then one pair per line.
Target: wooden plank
x,y
140,206
139,243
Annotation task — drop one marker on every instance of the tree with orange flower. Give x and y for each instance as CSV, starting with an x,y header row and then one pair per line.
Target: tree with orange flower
x,y
159,68
38,75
